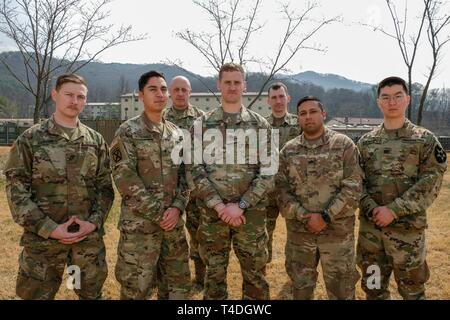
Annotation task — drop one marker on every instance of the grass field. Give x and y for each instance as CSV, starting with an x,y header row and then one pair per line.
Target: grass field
x,y
437,236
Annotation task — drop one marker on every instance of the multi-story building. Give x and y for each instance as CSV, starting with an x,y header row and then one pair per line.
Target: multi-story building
x,y
131,106
354,127
101,111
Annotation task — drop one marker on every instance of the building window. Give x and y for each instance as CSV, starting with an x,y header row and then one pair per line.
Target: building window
x,y
249,99
259,108
136,99
2,128
135,109
126,100
259,99
126,109
196,99
11,129
207,99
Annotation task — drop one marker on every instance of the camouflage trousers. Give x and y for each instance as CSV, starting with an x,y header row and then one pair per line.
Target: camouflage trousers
x,y
192,225
272,213
334,248
250,246
141,256
42,263
397,249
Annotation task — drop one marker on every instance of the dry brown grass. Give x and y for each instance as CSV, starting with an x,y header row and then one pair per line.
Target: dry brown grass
x,y
438,254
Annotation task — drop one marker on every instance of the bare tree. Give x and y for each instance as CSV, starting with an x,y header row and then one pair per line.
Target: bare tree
x,y
56,36
236,24
407,40
437,22
124,86
7,108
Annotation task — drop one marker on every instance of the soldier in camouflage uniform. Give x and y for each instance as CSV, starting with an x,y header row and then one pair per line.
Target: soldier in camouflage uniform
x,y
183,115
287,125
320,183
232,195
154,195
58,181
404,165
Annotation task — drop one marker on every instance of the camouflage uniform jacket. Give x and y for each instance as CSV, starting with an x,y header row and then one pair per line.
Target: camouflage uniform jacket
x,y
50,178
224,182
288,130
317,177
145,174
185,119
403,171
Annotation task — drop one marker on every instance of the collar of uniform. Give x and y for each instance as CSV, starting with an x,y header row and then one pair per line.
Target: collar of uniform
x,y
188,112
402,132
50,126
244,115
289,119
324,138
149,125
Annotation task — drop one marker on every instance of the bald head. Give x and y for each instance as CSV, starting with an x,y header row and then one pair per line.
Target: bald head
x,y
180,91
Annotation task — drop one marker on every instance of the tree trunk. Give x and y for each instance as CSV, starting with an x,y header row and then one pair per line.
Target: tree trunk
x,y
423,98
410,93
37,109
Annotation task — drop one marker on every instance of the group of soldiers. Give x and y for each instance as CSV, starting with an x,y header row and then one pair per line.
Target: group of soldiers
x,y
59,189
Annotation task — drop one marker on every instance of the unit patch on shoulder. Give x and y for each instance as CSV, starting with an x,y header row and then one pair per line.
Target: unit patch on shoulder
x,y
440,154
116,154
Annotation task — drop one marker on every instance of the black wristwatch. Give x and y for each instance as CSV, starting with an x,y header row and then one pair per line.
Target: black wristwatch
x,y
243,205
326,216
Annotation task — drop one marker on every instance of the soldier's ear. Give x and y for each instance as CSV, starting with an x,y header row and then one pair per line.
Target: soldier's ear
x,y
54,94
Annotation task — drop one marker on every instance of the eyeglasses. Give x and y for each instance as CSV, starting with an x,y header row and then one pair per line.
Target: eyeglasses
x,y
396,99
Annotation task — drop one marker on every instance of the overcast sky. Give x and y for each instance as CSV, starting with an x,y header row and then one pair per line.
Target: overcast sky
x,y
353,51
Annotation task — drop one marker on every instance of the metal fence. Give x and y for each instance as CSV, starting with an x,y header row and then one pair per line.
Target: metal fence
x,y
107,128
445,141
10,130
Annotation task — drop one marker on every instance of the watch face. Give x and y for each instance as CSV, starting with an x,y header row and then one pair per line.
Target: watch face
x,y
242,204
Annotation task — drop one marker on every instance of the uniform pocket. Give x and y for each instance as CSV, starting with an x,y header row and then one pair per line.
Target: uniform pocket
x,y
32,268
90,163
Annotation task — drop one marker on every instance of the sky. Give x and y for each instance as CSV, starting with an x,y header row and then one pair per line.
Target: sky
x,y
352,50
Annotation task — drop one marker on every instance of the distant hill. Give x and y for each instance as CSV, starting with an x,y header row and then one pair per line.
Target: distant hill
x,y
113,79
328,81
111,73
107,81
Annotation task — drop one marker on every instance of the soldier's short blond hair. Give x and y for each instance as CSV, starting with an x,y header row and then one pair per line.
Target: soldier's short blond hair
x,y
67,78
230,67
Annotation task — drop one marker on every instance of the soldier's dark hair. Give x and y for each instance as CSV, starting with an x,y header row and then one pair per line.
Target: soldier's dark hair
x,y
230,67
146,76
310,98
69,77
389,82
276,86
